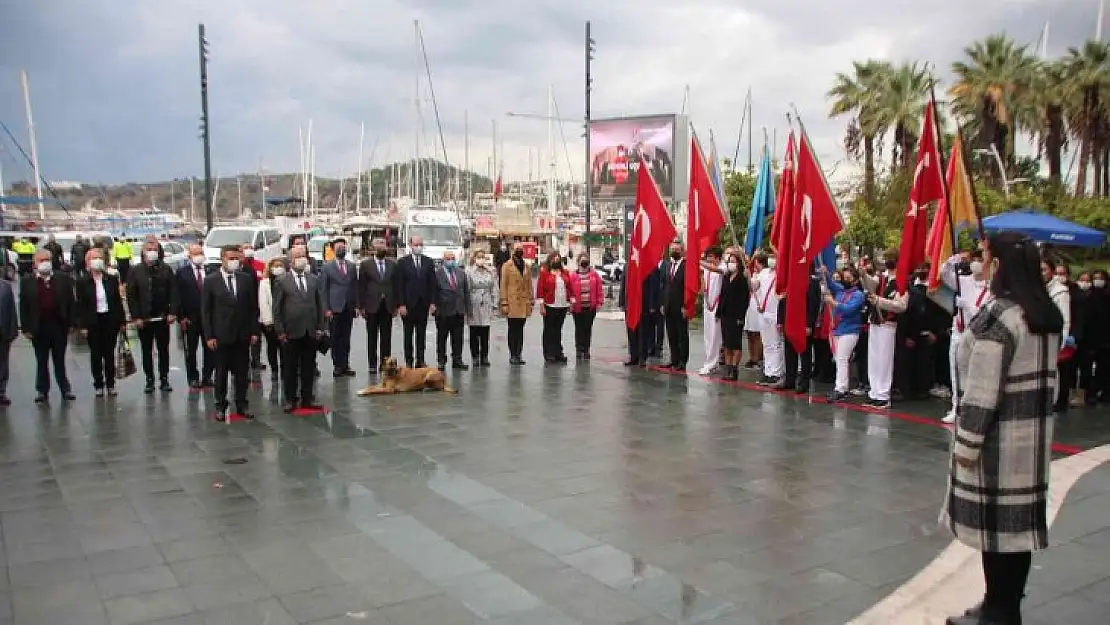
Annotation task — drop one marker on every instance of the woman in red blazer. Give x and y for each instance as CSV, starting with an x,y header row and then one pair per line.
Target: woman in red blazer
x,y
584,310
557,291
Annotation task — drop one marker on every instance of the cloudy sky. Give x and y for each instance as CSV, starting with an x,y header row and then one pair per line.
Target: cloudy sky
x,y
114,83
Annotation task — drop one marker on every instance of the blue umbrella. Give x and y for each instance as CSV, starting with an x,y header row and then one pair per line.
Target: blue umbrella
x,y
1045,228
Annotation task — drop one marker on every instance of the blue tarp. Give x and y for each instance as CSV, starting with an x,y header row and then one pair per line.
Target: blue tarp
x,y
26,200
1045,228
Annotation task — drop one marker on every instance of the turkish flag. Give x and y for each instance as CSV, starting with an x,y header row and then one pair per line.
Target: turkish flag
x,y
497,188
783,225
652,233
928,186
816,221
704,220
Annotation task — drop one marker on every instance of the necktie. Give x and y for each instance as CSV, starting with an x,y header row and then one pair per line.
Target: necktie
x,y
674,270
200,281
451,279
381,269
417,259
300,283
343,269
231,284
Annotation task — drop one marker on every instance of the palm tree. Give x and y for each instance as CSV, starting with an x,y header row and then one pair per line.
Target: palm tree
x,y
858,95
1088,71
1041,112
902,106
988,90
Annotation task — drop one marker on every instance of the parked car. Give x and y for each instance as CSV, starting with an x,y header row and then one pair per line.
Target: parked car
x,y
174,253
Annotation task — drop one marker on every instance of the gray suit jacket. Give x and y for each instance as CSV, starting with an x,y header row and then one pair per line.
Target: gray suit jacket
x,y
340,291
298,313
451,301
9,320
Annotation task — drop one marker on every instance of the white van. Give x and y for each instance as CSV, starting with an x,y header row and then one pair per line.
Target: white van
x,y
266,241
441,230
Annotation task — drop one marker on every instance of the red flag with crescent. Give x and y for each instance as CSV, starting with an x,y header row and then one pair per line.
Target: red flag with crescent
x,y
652,233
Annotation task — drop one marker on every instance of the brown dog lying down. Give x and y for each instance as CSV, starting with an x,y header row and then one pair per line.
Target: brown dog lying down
x,y
397,379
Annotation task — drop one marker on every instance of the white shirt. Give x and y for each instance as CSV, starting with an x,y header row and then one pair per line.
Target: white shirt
x,y
766,294
713,281
973,294
234,283
560,300
101,295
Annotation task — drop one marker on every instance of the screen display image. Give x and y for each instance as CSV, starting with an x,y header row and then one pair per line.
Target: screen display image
x,y
617,147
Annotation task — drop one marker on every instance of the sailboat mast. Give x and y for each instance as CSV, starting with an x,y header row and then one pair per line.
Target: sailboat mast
x,y
551,200
751,163
192,199
358,170
3,207
466,157
34,143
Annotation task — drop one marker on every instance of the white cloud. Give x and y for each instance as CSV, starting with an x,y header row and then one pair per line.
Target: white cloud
x,y
114,82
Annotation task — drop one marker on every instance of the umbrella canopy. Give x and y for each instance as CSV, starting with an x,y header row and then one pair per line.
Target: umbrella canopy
x,y
1045,228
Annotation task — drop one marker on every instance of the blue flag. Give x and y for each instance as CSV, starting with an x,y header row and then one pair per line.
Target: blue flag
x,y
763,205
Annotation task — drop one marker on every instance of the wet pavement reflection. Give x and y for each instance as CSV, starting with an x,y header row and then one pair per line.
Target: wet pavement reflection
x,y
587,494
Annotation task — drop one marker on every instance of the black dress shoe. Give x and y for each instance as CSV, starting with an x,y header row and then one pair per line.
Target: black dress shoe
x,y
349,372
207,383
69,396
149,388
484,362
631,363
288,407
41,398
373,371
442,366
194,384
338,373
311,405
420,364
164,386
460,365
4,401
244,413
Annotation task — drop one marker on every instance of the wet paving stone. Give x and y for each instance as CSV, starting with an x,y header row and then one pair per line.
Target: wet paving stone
x,y
586,494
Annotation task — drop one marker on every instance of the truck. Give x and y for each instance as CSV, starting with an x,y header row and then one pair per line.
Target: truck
x,y
441,229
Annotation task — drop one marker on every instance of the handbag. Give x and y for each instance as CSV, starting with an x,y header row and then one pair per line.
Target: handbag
x,y
125,362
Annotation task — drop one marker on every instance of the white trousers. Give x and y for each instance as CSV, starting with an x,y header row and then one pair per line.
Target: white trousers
x,y
712,336
880,360
774,359
957,381
843,347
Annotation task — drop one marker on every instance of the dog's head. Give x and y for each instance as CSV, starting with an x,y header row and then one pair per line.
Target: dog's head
x,y
389,367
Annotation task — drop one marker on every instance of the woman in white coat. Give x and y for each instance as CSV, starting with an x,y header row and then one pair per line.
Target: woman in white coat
x,y
484,296
274,269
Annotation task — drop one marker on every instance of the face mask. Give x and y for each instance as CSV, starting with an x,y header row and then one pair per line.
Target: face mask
x,y
277,271
733,267
518,254
1099,283
1084,285
417,250
232,265
340,252
676,255
556,264
248,253
97,264
300,263
450,264
198,260
483,262
770,263
380,253
976,268
150,255
585,264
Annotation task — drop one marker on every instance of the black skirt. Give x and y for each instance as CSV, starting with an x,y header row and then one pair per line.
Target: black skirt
x,y
732,332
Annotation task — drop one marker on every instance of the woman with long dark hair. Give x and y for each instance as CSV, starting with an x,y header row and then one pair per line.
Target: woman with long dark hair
x,y
998,479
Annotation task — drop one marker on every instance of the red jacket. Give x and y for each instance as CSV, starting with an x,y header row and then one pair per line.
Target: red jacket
x,y
597,298
258,266
545,286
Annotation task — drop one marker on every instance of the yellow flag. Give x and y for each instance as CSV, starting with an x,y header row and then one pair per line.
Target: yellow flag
x,y
961,203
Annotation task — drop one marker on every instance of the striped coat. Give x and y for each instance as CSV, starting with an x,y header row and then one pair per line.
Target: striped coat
x,y
1004,424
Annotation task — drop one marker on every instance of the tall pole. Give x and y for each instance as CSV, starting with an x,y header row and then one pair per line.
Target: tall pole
x,y
3,207
466,158
1101,14
173,196
358,174
751,162
205,136
262,189
34,144
589,83
552,200
239,192
192,199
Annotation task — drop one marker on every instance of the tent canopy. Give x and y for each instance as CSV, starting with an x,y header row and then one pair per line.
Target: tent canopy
x,y
1045,228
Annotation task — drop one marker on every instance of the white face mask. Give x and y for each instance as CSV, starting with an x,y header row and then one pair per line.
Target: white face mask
x,y
248,253
232,265
150,255
44,267
483,262
771,263
1084,285
198,260
417,250
976,268
300,263
733,267
97,264
1099,283
277,271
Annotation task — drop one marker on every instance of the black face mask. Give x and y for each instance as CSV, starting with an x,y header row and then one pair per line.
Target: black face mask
x,y
676,255
518,254
380,253
584,264
555,264
891,265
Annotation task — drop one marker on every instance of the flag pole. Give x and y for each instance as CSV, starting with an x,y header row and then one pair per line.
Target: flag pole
x,y
721,200
824,179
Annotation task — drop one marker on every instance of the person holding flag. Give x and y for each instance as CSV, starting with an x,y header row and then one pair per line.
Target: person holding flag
x,y
704,221
652,231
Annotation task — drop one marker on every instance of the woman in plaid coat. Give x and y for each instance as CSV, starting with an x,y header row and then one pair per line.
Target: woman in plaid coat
x,y
998,481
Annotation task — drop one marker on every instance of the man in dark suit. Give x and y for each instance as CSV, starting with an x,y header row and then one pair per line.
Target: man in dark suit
x,y
641,341
46,315
9,329
674,293
451,303
100,317
339,285
190,287
799,367
377,298
152,299
229,316
299,322
416,291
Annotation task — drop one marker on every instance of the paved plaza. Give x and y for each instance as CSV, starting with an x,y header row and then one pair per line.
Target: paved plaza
x,y
590,494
